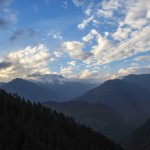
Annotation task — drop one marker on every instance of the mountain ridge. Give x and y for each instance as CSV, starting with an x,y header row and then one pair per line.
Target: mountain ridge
x,y
142,80
63,90
129,100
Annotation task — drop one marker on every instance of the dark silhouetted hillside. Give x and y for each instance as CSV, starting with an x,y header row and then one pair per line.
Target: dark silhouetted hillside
x,y
140,139
99,117
27,126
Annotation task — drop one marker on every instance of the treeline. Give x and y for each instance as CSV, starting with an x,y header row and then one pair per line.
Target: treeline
x,y
29,126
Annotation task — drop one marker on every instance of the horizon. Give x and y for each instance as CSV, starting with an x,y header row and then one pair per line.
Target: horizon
x,y
39,78
79,39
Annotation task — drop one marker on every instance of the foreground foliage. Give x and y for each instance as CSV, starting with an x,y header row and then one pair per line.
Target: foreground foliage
x,y
27,126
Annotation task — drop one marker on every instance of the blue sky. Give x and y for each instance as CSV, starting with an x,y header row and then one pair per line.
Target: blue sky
x,y
82,39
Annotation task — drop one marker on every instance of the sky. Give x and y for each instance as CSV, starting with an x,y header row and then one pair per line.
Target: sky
x,y
79,39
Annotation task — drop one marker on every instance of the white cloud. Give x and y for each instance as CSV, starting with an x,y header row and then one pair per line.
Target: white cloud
x,y
88,11
57,36
122,33
106,34
106,50
129,36
90,35
134,13
26,61
104,13
96,23
134,64
131,43
87,74
138,15
134,70
74,50
58,54
85,23
66,70
111,4
72,63
142,58
94,76
103,10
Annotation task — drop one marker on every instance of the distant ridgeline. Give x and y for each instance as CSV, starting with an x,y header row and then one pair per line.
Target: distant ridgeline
x,y
27,126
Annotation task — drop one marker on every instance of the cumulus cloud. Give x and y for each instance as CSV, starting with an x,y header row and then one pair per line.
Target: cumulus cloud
x,y
134,70
104,13
72,63
90,35
22,33
102,10
66,70
88,11
135,13
131,36
111,4
122,33
85,23
24,62
106,50
93,76
142,58
138,15
74,50
4,65
87,74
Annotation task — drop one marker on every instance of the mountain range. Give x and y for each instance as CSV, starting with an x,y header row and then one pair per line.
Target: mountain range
x,y
116,108
131,101
47,87
127,103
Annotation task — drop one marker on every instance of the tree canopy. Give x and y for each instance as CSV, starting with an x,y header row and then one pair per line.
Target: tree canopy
x,y
30,126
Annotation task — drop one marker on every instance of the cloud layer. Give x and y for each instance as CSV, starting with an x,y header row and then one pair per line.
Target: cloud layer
x,y
130,36
23,62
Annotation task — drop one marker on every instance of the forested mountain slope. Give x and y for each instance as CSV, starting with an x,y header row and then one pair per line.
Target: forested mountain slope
x,y
139,139
27,126
99,117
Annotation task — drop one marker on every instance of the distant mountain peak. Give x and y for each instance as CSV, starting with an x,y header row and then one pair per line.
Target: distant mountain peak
x,y
47,78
